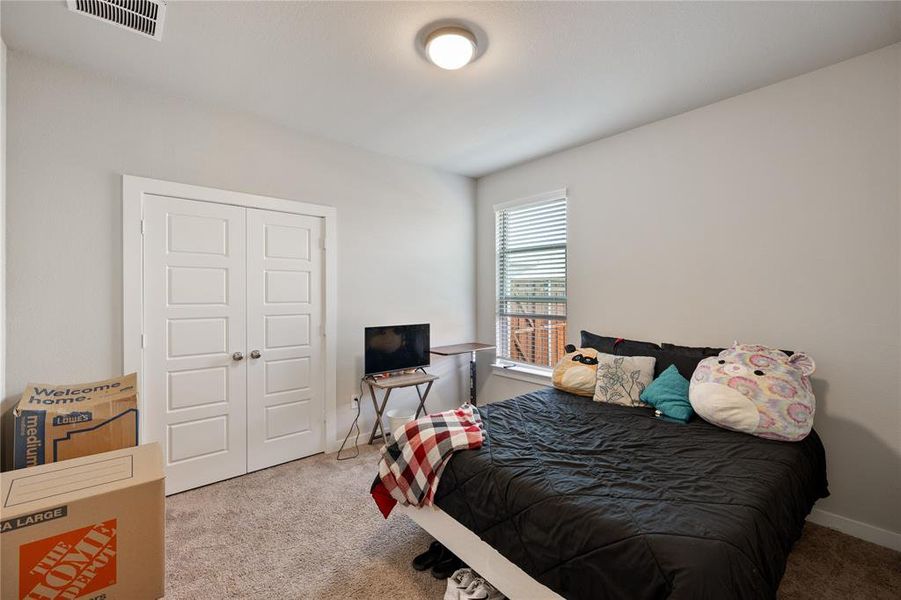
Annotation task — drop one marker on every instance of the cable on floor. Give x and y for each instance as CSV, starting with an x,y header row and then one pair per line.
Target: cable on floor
x,y
355,424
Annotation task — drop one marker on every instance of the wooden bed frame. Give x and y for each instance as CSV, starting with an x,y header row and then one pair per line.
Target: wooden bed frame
x,y
512,581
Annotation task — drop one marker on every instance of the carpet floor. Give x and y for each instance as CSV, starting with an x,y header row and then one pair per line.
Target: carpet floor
x,y
308,529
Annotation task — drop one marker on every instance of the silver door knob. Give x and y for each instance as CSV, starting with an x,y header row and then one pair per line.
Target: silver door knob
x,y
255,354
238,356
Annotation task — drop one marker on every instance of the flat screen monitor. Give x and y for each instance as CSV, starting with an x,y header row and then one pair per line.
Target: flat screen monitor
x,y
396,348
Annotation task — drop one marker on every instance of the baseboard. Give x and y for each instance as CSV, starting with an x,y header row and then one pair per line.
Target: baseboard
x,y
864,531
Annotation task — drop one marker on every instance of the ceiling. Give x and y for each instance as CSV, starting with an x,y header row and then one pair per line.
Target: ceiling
x,y
554,74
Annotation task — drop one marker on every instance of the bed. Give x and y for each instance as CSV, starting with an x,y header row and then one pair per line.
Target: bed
x,y
594,500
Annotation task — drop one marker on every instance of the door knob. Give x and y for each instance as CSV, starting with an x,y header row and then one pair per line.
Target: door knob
x,y
255,354
238,356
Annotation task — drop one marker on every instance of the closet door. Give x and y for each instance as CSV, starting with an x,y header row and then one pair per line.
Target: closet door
x,y
285,407
194,326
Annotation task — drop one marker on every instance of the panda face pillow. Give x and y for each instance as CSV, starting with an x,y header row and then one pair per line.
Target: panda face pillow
x,y
756,390
577,372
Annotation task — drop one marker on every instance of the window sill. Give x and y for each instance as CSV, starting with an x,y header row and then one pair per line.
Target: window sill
x,y
528,373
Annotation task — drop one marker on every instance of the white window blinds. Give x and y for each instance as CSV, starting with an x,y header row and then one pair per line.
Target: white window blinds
x,y
531,282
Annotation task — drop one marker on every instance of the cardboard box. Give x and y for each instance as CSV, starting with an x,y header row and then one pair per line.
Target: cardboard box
x,y
54,423
91,528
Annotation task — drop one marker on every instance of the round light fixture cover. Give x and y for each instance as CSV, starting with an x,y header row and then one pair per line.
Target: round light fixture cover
x,y
450,48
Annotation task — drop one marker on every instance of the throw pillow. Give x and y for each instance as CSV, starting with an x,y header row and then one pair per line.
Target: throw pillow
x,y
598,342
618,346
702,351
576,372
686,359
669,395
622,379
757,390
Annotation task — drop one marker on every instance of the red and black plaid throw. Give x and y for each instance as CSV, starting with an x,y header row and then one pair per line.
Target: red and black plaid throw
x,y
411,465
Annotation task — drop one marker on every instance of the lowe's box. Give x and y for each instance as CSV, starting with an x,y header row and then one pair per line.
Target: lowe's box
x,y
58,422
90,528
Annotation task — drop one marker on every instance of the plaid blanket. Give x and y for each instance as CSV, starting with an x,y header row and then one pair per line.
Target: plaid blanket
x,y
411,465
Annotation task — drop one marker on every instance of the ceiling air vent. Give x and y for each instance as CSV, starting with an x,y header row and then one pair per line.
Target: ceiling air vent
x,y
141,16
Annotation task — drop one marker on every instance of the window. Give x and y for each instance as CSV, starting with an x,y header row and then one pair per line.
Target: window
x,y
531,281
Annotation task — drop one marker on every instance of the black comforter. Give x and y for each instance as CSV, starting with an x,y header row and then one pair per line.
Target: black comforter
x,y
603,501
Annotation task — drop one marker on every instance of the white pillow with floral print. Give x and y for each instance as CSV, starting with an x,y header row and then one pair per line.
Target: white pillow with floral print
x,y
622,379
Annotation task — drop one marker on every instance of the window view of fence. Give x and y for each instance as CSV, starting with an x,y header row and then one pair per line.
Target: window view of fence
x,y
531,280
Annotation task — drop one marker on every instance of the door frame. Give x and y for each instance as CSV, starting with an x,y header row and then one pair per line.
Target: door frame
x,y
133,190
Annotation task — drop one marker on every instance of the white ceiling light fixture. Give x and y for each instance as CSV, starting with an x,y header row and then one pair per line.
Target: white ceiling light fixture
x,y
451,47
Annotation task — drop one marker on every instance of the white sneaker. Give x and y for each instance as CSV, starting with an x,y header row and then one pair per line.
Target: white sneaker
x,y
479,589
459,581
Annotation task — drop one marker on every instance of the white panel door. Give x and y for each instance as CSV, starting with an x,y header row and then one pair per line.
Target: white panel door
x,y
194,321
285,399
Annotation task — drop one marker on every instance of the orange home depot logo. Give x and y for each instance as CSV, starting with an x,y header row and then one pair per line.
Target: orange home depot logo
x,y
69,565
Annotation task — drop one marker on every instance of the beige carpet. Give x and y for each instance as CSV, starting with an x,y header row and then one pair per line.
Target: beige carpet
x,y
308,529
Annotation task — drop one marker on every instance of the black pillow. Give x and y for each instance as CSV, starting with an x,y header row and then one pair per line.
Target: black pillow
x,y
691,350
624,347
704,352
618,346
685,358
685,363
598,342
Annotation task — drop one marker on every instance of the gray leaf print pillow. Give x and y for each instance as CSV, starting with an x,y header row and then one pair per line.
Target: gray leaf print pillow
x,y
621,379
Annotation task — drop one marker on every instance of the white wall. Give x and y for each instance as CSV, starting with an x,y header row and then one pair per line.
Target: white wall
x,y
771,217
405,232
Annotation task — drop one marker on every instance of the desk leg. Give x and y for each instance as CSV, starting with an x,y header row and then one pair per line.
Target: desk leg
x,y
421,406
378,415
375,405
472,378
422,398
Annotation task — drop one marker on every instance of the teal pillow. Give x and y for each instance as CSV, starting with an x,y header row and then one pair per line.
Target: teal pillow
x,y
669,395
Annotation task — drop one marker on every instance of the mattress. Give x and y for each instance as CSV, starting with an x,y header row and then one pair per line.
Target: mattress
x,y
605,501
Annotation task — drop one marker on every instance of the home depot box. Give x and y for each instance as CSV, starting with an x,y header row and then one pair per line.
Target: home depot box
x,y
54,423
90,527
